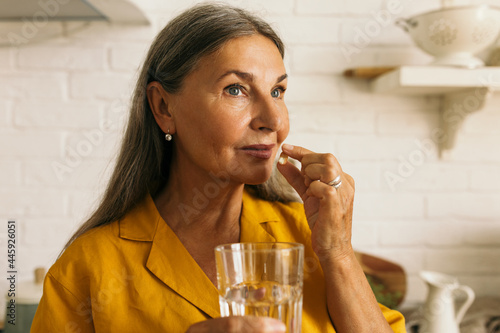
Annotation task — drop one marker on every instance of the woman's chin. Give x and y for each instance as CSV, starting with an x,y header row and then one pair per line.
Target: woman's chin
x,y
258,179
255,175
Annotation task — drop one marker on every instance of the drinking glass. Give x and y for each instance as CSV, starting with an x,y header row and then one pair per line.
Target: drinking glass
x,y
261,279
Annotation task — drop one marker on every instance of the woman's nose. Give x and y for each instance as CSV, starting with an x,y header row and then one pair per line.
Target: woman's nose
x,y
268,114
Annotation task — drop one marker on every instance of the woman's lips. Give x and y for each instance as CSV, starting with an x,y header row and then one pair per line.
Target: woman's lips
x,y
261,151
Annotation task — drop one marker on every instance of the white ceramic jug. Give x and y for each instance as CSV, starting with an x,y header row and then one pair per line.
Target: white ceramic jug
x,y
441,311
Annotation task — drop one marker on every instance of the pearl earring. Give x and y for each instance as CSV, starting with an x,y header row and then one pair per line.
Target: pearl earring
x,y
168,136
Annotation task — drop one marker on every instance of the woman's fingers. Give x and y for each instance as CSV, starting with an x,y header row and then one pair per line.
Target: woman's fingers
x,y
322,167
238,324
295,152
322,172
292,175
328,208
306,156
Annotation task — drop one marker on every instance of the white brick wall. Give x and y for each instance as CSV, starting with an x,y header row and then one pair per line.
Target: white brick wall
x,y
65,57
336,7
10,173
39,113
99,85
127,56
27,85
32,143
485,177
306,29
28,203
463,260
479,206
443,214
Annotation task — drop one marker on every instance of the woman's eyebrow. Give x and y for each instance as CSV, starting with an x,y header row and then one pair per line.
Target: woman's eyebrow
x,y
244,75
281,78
247,76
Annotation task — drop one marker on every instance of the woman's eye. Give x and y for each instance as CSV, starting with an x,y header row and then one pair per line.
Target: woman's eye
x,y
276,93
234,90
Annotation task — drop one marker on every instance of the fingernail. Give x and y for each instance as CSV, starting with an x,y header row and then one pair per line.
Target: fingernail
x,y
278,327
287,146
283,158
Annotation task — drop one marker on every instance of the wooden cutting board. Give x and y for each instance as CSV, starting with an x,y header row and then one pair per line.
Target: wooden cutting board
x,y
390,274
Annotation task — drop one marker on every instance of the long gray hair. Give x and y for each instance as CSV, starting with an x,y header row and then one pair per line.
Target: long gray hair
x,y
143,162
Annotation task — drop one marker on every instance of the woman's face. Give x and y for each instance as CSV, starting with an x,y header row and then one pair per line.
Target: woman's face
x,y
230,116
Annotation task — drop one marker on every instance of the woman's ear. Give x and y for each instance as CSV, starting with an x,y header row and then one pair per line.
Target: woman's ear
x,y
158,100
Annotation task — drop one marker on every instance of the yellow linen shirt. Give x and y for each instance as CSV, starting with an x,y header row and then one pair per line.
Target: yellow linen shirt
x,y
134,275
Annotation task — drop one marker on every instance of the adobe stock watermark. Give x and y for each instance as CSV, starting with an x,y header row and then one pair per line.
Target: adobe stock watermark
x,y
92,138
408,164
452,118
32,25
372,28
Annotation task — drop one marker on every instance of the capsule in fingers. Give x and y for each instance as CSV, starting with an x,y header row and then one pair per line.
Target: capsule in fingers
x,y
283,159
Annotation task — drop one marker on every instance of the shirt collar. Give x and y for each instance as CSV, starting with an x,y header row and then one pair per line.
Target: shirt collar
x,y
258,210
168,258
255,215
141,222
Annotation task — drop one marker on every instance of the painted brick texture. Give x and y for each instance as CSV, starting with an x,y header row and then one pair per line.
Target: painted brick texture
x,y
57,95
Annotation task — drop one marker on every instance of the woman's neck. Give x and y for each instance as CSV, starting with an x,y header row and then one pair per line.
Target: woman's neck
x,y
200,203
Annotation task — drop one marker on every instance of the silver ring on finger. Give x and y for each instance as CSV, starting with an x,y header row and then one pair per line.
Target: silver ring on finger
x,y
336,182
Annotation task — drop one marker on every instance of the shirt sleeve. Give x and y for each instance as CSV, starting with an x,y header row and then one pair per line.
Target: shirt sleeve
x,y
394,318
60,311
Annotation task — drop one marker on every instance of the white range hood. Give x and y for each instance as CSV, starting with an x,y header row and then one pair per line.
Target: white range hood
x,y
114,11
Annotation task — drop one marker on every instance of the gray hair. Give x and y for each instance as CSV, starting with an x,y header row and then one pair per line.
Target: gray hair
x,y
198,32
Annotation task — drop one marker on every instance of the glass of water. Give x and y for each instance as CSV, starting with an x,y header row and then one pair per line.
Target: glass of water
x,y
261,279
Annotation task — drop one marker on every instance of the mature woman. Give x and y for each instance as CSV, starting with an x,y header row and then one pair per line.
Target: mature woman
x,y
207,120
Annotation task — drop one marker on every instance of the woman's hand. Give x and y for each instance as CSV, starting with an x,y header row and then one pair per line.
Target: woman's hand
x,y
351,303
238,324
328,210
